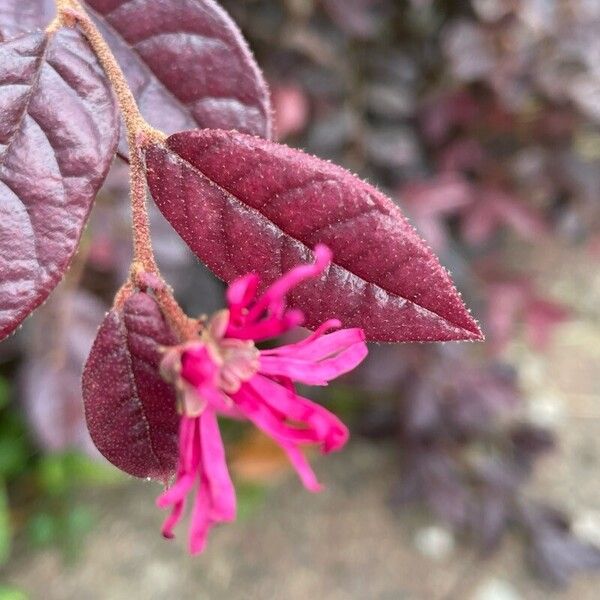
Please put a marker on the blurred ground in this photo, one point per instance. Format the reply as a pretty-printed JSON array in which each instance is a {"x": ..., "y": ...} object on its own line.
[
  {"x": 347, "y": 543},
  {"x": 342, "y": 544}
]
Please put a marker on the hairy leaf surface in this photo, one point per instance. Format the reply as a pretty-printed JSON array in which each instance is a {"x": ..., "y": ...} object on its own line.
[
  {"x": 187, "y": 64},
  {"x": 58, "y": 135},
  {"x": 246, "y": 204},
  {"x": 130, "y": 410},
  {"x": 60, "y": 336},
  {"x": 185, "y": 60}
]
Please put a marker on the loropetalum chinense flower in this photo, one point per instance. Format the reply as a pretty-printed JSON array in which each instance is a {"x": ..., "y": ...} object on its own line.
[{"x": 224, "y": 373}]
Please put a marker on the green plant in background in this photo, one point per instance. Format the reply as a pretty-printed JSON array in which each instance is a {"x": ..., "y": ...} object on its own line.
[
  {"x": 60, "y": 518},
  {"x": 251, "y": 496},
  {"x": 12, "y": 461},
  {"x": 5, "y": 528},
  {"x": 38, "y": 492},
  {"x": 12, "y": 593}
]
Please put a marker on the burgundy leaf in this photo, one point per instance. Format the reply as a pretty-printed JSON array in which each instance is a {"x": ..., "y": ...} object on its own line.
[
  {"x": 529, "y": 442},
  {"x": 130, "y": 410},
  {"x": 490, "y": 519},
  {"x": 441, "y": 485},
  {"x": 59, "y": 339},
  {"x": 541, "y": 318},
  {"x": 246, "y": 204},
  {"x": 514, "y": 299},
  {"x": 356, "y": 17},
  {"x": 427, "y": 201},
  {"x": 496, "y": 208},
  {"x": 187, "y": 64},
  {"x": 555, "y": 551},
  {"x": 58, "y": 135},
  {"x": 506, "y": 298},
  {"x": 185, "y": 60},
  {"x": 444, "y": 195},
  {"x": 462, "y": 155},
  {"x": 441, "y": 116}
]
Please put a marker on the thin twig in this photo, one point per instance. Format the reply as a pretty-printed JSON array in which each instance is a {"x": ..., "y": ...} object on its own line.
[{"x": 139, "y": 133}]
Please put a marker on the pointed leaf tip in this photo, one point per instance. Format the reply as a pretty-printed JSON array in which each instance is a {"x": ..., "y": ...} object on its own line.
[{"x": 245, "y": 204}]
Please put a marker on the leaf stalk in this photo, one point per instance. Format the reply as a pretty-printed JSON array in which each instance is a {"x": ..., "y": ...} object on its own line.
[{"x": 139, "y": 133}]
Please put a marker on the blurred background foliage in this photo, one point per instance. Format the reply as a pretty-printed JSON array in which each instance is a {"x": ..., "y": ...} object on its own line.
[{"x": 481, "y": 119}]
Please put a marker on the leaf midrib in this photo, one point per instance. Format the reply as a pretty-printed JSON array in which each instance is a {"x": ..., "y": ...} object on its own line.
[{"x": 435, "y": 315}]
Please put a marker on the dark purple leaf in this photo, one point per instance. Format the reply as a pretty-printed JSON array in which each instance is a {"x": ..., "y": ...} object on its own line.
[
  {"x": 465, "y": 155},
  {"x": 423, "y": 412},
  {"x": 497, "y": 475},
  {"x": 357, "y": 17},
  {"x": 555, "y": 551},
  {"x": 490, "y": 519},
  {"x": 427, "y": 201},
  {"x": 477, "y": 395},
  {"x": 442, "y": 485},
  {"x": 330, "y": 134},
  {"x": 558, "y": 555},
  {"x": 445, "y": 195},
  {"x": 386, "y": 368},
  {"x": 130, "y": 410},
  {"x": 59, "y": 339},
  {"x": 506, "y": 298},
  {"x": 495, "y": 208},
  {"x": 529, "y": 443},
  {"x": 441, "y": 116},
  {"x": 186, "y": 63},
  {"x": 541, "y": 318},
  {"x": 58, "y": 135},
  {"x": 246, "y": 204},
  {"x": 185, "y": 60},
  {"x": 450, "y": 398}
]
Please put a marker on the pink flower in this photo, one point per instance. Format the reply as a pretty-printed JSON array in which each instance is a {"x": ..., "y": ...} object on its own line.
[{"x": 223, "y": 373}]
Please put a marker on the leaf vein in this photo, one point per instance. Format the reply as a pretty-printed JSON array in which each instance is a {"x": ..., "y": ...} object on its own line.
[{"x": 240, "y": 202}]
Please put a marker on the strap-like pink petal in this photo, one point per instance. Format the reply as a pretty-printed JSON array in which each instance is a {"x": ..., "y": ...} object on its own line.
[
  {"x": 313, "y": 369},
  {"x": 274, "y": 296},
  {"x": 214, "y": 466}
]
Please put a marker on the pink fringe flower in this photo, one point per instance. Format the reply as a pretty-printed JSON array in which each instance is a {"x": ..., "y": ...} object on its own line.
[{"x": 223, "y": 373}]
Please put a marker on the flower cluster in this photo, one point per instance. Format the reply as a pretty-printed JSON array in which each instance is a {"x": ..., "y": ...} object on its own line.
[{"x": 224, "y": 373}]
